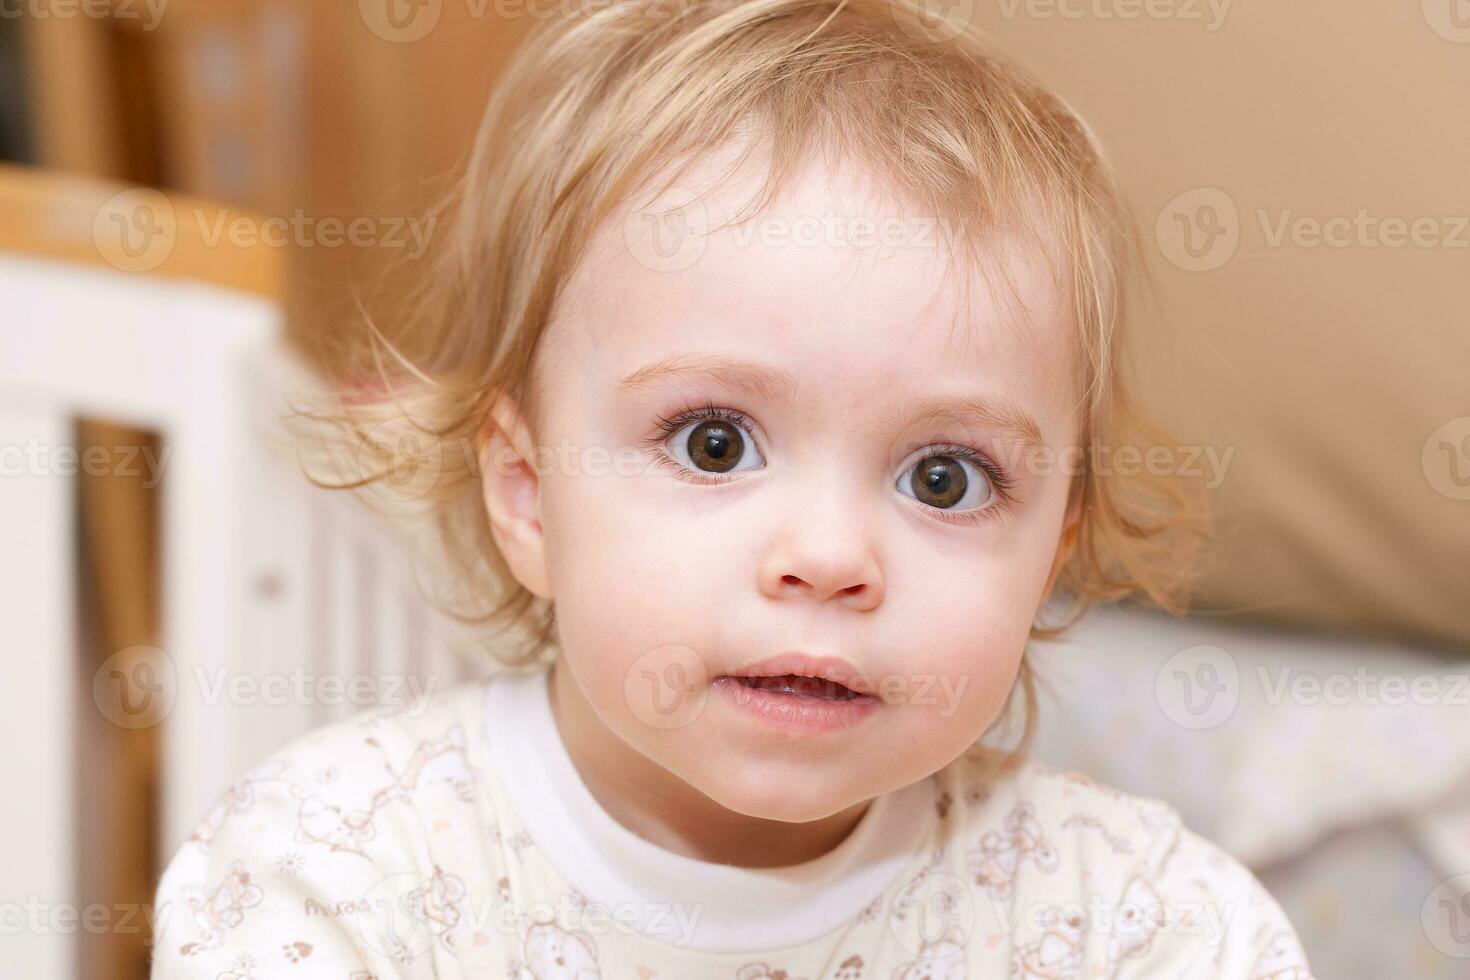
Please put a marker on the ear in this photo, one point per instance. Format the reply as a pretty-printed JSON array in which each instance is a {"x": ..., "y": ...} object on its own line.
[
  {"x": 511, "y": 488},
  {"x": 1067, "y": 543}
]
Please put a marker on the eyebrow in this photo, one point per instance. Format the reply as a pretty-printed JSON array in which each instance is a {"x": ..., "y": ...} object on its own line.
[
  {"x": 778, "y": 385},
  {"x": 767, "y": 383}
]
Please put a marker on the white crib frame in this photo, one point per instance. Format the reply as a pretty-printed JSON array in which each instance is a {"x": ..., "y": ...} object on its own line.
[{"x": 261, "y": 572}]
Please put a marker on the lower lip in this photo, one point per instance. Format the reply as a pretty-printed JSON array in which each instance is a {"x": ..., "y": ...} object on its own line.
[{"x": 795, "y": 714}]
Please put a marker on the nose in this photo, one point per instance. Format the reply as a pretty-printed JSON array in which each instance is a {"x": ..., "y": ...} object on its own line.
[{"x": 824, "y": 554}]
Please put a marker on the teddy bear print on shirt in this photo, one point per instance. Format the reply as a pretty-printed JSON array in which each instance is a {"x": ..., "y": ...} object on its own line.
[
  {"x": 438, "y": 903},
  {"x": 1057, "y": 954},
  {"x": 238, "y": 800},
  {"x": 554, "y": 953},
  {"x": 221, "y": 910},
  {"x": 941, "y": 959},
  {"x": 996, "y": 861},
  {"x": 1141, "y": 916},
  {"x": 347, "y": 828}
]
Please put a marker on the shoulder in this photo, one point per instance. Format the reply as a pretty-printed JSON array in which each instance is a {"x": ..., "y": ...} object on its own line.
[
  {"x": 298, "y": 845},
  {"x": 1081, "y": 871},
  {"x": 1050, "y": 809},
  {"x": 360, "y": 764}
]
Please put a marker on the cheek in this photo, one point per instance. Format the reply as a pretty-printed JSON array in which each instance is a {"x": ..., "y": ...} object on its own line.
[
  {"x": 627, "y": 577},
  {"x": 965, "y": 637}
]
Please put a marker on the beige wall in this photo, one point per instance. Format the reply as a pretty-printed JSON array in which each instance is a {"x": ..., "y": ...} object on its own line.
[{"x": 1326, "y": 369}]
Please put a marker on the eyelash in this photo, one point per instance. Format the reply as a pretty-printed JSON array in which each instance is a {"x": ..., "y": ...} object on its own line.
[{"x": 1000, "y": 481}]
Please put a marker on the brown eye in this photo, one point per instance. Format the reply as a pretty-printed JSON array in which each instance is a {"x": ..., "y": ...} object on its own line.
[
  {"x": 942, "y": 481},
  {"x": 715, "y": 446},
  {"x": 939, "y": 481}
]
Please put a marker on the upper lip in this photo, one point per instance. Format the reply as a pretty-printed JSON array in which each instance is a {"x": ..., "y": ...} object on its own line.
[{"x": 833, "y": 669}]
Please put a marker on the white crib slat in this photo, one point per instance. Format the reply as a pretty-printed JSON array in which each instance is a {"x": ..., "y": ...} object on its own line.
[
  {"x": 341, "y": 566},
  {"x": 37, "y": 713},
  {"x": 389, "y": 637},
  {"x": 279, "y": 652}
]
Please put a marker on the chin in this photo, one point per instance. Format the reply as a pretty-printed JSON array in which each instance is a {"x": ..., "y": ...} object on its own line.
[{"x": 761, "y": 791}]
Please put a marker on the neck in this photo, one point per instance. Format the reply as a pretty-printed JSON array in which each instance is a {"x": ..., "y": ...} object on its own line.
[{"x": 665, "y": 810}]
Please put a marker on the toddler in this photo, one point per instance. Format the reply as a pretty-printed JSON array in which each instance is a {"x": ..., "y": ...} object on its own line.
[{"x": 784, "y": 334}]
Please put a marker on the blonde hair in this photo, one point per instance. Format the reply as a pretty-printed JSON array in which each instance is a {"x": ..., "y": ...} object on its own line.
[{"x": 597, "y": 104}]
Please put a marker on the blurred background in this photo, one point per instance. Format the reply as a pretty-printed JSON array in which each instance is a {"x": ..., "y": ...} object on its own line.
[{"x": 196, "y": 197}]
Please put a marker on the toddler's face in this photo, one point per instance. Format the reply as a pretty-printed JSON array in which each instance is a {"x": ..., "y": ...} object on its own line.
[{"x": 835, "y": 505}]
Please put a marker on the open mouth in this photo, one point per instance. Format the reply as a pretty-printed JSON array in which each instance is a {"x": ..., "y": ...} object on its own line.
[{"x": 818, "y": 688}]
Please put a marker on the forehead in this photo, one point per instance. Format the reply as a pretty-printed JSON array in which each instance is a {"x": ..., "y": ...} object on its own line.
[{"x": 858, "y": 295}]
